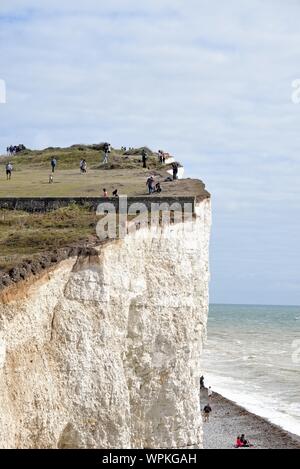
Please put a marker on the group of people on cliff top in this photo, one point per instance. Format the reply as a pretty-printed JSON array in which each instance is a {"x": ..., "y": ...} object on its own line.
[
  {"x": 152, "y": 185},
  {"x": 14, "y": 149}
]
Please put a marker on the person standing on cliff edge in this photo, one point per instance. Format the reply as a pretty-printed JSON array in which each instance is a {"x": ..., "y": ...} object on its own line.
[{"x": 175, "y": 171}]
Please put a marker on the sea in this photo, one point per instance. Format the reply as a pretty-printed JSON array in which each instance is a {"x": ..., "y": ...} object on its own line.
[{"x": 252, "y": 357}]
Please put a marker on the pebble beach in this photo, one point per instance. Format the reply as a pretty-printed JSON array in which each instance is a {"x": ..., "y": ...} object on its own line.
[{"x": 228, "y": 420}]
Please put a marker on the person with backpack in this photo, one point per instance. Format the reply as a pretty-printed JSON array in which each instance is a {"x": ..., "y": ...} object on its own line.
[{"x": 53, "y": 164}]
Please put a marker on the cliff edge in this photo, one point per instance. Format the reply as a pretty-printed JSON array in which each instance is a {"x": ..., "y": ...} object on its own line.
[{"x": 103, "y": 349}]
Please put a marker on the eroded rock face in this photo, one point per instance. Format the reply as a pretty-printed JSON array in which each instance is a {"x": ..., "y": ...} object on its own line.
[{"x": 104, "y": 351}]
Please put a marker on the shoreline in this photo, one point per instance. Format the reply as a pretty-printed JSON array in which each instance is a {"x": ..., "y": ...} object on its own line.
[{"x": 228, "y": 420}]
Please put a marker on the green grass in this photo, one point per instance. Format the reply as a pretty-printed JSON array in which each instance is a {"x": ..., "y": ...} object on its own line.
[
  {"x": 32, "y": 169},
  {"x": 26, "y": 235},
  {"x": 69, "y": 158}
]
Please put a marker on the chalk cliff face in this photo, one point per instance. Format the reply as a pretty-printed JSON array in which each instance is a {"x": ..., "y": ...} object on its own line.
[{"x": 104, "y": 351}]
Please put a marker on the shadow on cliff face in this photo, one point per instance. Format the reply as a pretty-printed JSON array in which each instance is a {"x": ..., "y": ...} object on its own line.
[{"x": 70, "y": 438}]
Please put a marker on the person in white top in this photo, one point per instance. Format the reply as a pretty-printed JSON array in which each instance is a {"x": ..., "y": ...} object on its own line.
[
  {"x": 209, "y": 392},
  {"x": 9, "y": 168}
]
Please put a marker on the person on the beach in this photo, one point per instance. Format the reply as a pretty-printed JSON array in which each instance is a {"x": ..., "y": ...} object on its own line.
[
  {"x": 202, "y": 382},
  {"x": 105, "y": 193},
  {"x": 244, "y": 442},
  {"x": 238, "y": 443},
  {"x": 206, "y": 412},
  {"x": 209, "y": 393}
]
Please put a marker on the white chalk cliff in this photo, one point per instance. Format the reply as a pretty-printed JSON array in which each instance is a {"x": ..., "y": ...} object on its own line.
[{"x": 104, "y": 351}]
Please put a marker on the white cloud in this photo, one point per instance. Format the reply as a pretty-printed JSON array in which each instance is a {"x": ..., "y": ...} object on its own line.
[{"x": 208, "y": 80}]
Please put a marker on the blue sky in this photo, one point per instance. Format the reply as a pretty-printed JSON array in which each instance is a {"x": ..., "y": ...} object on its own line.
[{"x": 209, "y": 81}]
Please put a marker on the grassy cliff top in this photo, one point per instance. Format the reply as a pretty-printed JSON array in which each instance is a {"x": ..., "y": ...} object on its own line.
[
  {"x": 124, "y": 172},
  {"x": 25, "y": 236},
  {"x": 31, "y": 242}
]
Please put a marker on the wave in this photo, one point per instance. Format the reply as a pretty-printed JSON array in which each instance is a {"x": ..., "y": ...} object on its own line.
[{"x": 256, "y": 402}]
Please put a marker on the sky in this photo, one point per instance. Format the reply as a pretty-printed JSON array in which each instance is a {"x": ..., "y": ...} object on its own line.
[{"x": 208, "y": 81}]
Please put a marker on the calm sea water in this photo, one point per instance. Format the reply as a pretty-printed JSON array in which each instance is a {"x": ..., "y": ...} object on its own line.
[{"x": 252, "y": 357}]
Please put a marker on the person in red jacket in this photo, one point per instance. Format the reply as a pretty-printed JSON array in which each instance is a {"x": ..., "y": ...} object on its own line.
[{"x": 238, "y": 443}]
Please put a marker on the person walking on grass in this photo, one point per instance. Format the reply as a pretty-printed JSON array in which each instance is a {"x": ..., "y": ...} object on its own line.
[
  {"x": 144, "y": 158},
  {"x": 53, "y": 164},
  {"x": 9, "y": 168},
  {"x": 83, "y": 167},
  {"x": 206, "y": 413},
  {"x": 150, "y": 184},
  {"x": 107, "y": 150}
]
